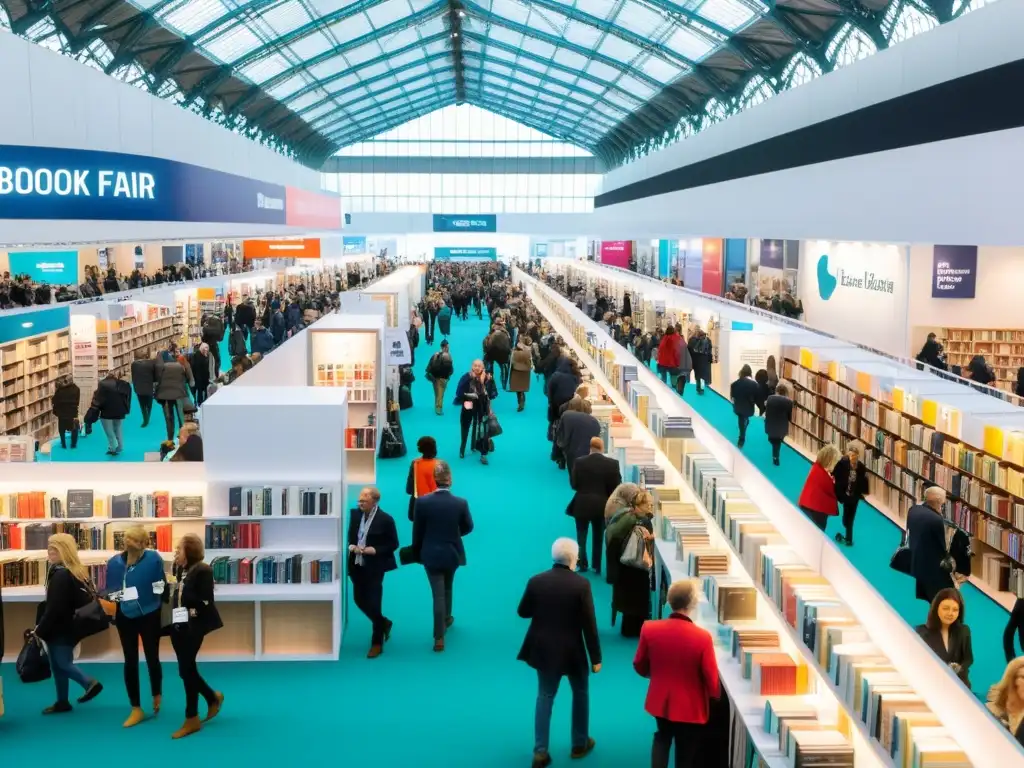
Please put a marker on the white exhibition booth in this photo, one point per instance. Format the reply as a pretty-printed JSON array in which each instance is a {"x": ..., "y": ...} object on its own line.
[{"x": 965, "y": 723}]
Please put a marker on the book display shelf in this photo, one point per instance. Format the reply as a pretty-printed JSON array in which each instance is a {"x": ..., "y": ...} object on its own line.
[
  {"x": 30, "y": 368},
  {"x": 345, "y": 351},
  {"x": 918, "y": 430},
  {"x": 1002, "y": 348},
  {"x": 274, "y": 547},
  {"x": 814, "y": 661}
]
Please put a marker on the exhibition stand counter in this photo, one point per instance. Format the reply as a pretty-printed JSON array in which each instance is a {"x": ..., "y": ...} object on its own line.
[{"x": 720, "y": 484}]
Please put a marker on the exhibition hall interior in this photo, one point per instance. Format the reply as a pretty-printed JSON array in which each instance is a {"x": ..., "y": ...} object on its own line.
[{"x": 672, "y": 348}]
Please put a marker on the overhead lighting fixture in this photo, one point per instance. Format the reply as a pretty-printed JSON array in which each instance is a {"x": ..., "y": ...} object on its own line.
[
  {"x": 27, "y": 325},
  {"x": 455, "y": 34},
  {"x": 462, "y": 14}
]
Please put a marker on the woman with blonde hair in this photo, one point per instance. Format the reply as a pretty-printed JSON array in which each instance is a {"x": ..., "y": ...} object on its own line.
[
  {"x": 818, "y": 497},
  {"x": 68, "y": 588},
  {"x": 631, "y": 584},
  {"x": 851, "y": 477},
  {"x": 136, "y": 577},
  {"x": 1006, "y": 699}
]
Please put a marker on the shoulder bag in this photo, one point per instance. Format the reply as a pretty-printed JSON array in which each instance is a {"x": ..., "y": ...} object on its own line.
[
  {"x": 33, "y": 665},
  {"x": 901, "y": 558},
  {"x": 95, "y": 616},
  {"x": 635, "y": 551}
]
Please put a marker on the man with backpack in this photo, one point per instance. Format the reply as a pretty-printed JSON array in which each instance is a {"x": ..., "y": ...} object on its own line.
[{"x": 439, "y": 369}]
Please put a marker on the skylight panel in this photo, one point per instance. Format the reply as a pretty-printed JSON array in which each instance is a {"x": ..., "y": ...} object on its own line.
[
  {"x": 283, "y": 90},
  {"x": 399, "y": 39},
  {"x": 537, "y": 47},
  {"x": 286, "y": 17},
  {"x": 529, "y": 79},
  {"x": 511, "y": 9},
  {"x": 332, "y": 67},
  {"x": 602, "y": 9},
  {"x": 617, "y": 99},
  {"x": 363, "y": 53},
  {"x": 310, "y": 46},
  {"x": 192, "y": 16},
  {"x": 498, "y": 54},
  {"x": 689, "y": 44},
  {"x": 661, "y": 70},
  {"x": 603, "y": 71},
  {"x": 636, "y": 87},
  {"x": 570, "y": 59},
  {"x": 376, "y": 69},
  {"x": 325, "y": 7},
  {"x": 234, "y": 44},
  {"x": 548, "y": 21},
  {"x": 387, "y": 12},
  {"x": 415, "y": 54},
  {"x": 618, "y": 49},
  {"x": 350, "y": 29},
  {"x": 266, "y": 68},
  {"x": 730, "y": 14},
  {"x": 582, "y": 34},
  {"x": 589, "y": 85},
  {"x": 318, "y": 112},
  {"x": 431, "y": 27},
  {"x": 515, "y": 39},
  {"x": 304, "y": 101},
  {"x": 636, "y": 18}
]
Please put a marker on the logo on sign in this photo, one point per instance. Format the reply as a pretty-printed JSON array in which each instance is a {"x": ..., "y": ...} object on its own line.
[
  {"x": 269, "y": 203},
  {"x": 866, "y": 281}
]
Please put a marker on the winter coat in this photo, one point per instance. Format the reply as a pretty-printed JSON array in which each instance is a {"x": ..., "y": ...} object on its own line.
[
  {"x": 778, "y": 413},
  {"x": 171, "y": 382},
  {"x": 236, "y": 343},
  {"x": 261, "y": 341},
  {"x": 113, "y": 399},
  {"x": 701, "y": 351},
  {"x": 66, "y": 402},
  {"x": 144, "y": 377},
  {"x": 202, "y": 370},
  {"x": 522, "y": 364}
]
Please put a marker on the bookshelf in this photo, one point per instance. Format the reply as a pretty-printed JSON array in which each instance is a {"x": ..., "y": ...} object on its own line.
[
  {"x": 1002, "y": 348},
  {"x": 276, "y": 542},
  {"x": 838, "y": 403},
  {"x": 345, "y": 352},
  {"x": 30, "y": 368},
  {"x": 789, "y": 566}
]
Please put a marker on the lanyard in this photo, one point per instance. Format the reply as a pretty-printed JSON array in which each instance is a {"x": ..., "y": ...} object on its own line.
[{"x": 181, "y": 585}]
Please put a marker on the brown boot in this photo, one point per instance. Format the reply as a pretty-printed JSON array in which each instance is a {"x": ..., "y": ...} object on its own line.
[
  {"x": 190, "y": 726},
  {"x": 212, "y": 710},
  {"x": 135, "y": 717},
  {"x": 375, "y": 651}
]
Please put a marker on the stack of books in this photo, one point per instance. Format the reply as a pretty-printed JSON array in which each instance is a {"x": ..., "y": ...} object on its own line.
[
  {"x": 233, "y": 536},
  {"x": 272, "y": 569}
]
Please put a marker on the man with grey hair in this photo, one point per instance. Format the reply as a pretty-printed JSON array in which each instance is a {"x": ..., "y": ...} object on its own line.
[
  {"x": 440, "y": 520},
  {"x": 372, "y": 541},
  {"x": 561, "y": 637},
  {"x": 926, "y": 539},
  {"x": 679, "y": 659}
]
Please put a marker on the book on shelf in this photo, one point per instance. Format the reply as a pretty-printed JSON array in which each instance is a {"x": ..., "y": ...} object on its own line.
[
  {"x": 272, "y": 569},
  {"x": 224, "y": 535},
  {"x": 280, "y": 501},
  {"x": 187, "y": 506},
  {"x": 361, "y": 437}
]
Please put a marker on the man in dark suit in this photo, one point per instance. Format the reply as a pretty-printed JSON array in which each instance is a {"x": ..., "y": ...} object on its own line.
[
  {"x": 926, "y": 539},
  {"x": 744, "y": 394},
  {"x": 594, "y": 478},
  {"x": 372, "y": 541},
  {"x": 440, "y": 520},
  {"x": 561, "y": 637},
  {"x": 679, "y": 659}
]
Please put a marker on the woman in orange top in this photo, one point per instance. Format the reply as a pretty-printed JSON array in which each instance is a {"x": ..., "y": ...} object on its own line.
[{"x": 421, "y": 472}]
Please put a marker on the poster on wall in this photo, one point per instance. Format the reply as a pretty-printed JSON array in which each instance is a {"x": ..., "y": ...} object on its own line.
[
  {"x": 735, "y": 261},
  {"x": 711, "y": 275},
  {"x": 616, "y": 253},
  {"x": 668, "y": 255},
  {"x": 353, "y": 246},
  {"x": 139, "y": 257},
  {"x": 540, "y": 250},
  {"x": 954, "y": 271},
  {"x": 103, "y": 258},
  {"x": 692, "y": 258},
  {"x": 772, "y": 254},
  {"x": 52, "y": 267}
]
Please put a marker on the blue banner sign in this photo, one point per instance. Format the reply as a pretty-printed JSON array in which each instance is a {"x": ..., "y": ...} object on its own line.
[
  {"x": 47, "y": 183},
  {"x": 954, "y": 271},
  {"x": 668, "y": 253},
  {"x": 19, "y": 325},
  {"x": 53, "y": 267},
  {"x": 457, "y": 254},
  {"x": 351, "y": 246},
  {"x": 477, "y": 223}
]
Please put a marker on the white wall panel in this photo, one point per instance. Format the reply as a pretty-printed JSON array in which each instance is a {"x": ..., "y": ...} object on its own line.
[
  {"x": 982, "y": 39},
  {"x": 17, "y": 91}
]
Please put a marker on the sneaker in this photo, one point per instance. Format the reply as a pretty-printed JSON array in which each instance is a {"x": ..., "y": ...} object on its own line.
[
  {"x": 94, "y": 690},
  {"x": 586, "y": 749}
]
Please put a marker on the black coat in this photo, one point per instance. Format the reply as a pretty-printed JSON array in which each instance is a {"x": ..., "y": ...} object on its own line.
[
  {"x": 440, "y": 520},
  {"x": 64, "y": 595},
  {"x": 382, "y": 536},
  {"x": 959, "y": 652},
  {"x": 631, "y": 587},
  {"x": 245, "y": 314},
  {"x": 114, "y": 398},
  {"x": 778, "y": 413},
  {"x": 144, "y": 377},
  {"x": 841, "y": 473},
  {"x": 575, "y": 429},
  {"x": 926, "y": 539},
  {"x": 744, "y": 394},
  {"x": 66, "y": 402},
  {"x": 594, "y": 478},
  {"x": 196, "y": 595},
  {"x": 563, "y": 628}
]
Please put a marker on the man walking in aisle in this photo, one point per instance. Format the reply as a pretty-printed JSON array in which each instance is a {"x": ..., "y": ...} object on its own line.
[
  {"x": 439, "y": 369},
  {"x": 372, "y": 542},
  {"x": 594, "y": 478},
  {"x": 440, "y": 520},
  {"x": 561, "y": 637}
]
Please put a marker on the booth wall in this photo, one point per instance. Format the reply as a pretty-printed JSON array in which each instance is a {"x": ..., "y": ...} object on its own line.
[{"x": 843, "y": 287}]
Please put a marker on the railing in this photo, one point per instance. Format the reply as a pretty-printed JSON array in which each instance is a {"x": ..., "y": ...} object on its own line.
[{"x": 1001, "y": 394}]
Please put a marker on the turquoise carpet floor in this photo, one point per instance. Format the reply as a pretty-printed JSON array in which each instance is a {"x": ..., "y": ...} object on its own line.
[
  {"x": 876, "y": 538},
  {"x": 470, "y": 707}
]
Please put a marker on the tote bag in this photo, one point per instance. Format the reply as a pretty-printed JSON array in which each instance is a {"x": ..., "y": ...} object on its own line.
[{"x": 635, "y": 552}]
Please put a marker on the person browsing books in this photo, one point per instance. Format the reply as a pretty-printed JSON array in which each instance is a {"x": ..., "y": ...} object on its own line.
[
  {"x": 194, "y": 615},
  {"x": 947, "y": 634},
  {"x": 136, "y": 578},
  {"x": 372, "y": 542}
]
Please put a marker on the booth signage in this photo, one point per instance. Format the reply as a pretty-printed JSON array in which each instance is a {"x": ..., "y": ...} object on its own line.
[
  {"x": 668, "y": 254},
  {"x": 616, "y": 252},
  {"x": 477, "y": 223},
  {"x": 398, "y": 350},
  {"x": 772, "y": 254},
  {"x": 954, "y": 271},
  {"x": 711, "y": 257},
  {"x": 351, "y": 246},
  {"x": 47, "y": 183},
  {"x": 456, "y": 254},
  {"x": 540, "y": 250},
  {"x": 53, "y": 267},
  {"x": 308, "y": 248}
]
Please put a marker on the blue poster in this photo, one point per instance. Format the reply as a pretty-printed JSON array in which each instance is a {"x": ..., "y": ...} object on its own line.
[
  {"x": 53, "y": 267},
  {"x": 772, "y": 255},
  {"x": 351, "y": 246},
  {"x": 692, "y": 265},
  {"x": 668, "y": 254},
  {"x": 735, "y": 260},
  {"x": 47, "y": 183},
  {"x": 540, "y": 250},
  {"x": 477, "y": 223},
  {"x": 457, "y": 254},
  {"x": 954, "y": 271}
]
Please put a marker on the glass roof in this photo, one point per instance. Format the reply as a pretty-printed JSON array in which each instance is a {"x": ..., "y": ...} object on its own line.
[{"x": 353, "y": 69}]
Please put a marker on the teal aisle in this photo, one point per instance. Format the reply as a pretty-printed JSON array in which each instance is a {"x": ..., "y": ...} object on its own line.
[
  {"x": 876, "y": 538},
  {"x": 471, "y": 706}
]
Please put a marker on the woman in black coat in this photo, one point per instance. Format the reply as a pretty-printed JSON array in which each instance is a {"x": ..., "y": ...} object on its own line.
[
  {"x": 67, "y": 400},
  {"x": 947, "y": 634},
  {"x": 194, "y": 616},
  {"x": 778, "y": 413},
  {"x": 631, "y": 587},
  {"x": 744, "y": 394},
  {"x": 851, "y": 477},
  {"x": 701, "y": 352}
]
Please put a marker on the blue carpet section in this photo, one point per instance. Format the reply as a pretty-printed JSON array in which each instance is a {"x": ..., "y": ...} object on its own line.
[
  {"x": 469, "y": 707},
  {"x": 876, "y": 539}
]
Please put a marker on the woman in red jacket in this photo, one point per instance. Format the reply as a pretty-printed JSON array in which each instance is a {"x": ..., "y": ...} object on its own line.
[
  {"x": 818, "y": 498},
  {"x": 668, "y": 353}
]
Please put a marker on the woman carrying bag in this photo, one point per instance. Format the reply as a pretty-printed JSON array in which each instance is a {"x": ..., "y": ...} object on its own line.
[{"x": 629, "y": 569}]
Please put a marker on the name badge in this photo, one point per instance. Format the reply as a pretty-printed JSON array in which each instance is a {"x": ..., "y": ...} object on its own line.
[
  {"x": 179, "y": 616},
  {"x": 130, "y": 593},
  {"x": 158, "y": 587}
]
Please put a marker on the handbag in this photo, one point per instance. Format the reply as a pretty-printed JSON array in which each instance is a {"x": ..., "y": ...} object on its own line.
[
  {"x": 408, "y": 556},
  {"x": 901, "y": 558},
  {"x": 33, "y": 664},
  {"x": 492, "y": 426},
  {"x": 635, "y": 552},
  {"x": 92, "y": 618}
]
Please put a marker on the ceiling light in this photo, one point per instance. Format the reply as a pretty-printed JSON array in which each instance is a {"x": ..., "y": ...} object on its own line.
[
  {"x": 455, "y": 34},
  {"x": 27, "y": 325},
  {"x": 462, "y": 14}
]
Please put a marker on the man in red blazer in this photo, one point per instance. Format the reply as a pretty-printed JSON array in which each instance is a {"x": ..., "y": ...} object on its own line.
[{"x": 679, "y": 658}]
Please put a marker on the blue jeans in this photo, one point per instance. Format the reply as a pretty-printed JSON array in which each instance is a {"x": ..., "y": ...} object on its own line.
[
  {"x": 114, "y": 430},
  {"x": 62, "y": 665},
  {"x": 547, "y": 687}
]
